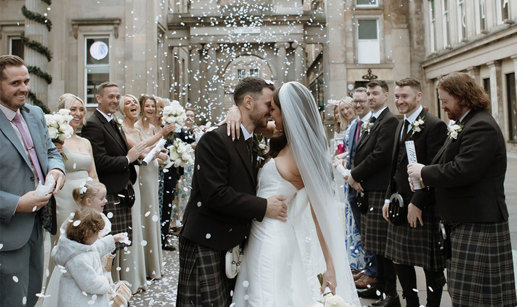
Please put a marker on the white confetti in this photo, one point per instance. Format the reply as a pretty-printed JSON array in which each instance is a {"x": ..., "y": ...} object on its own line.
[
  {"x": 245, "y": 284},
  {"x": 155, "y": 218},
  {"x": 1, "y": 245},
  {"x": 208, "y": 236},
  {"x": 15, "y": 279},
  {"x": 24, "y": 300},
  {"x": 76, "y": 223},
  {"x": 143, "y": 243},
  {"x": 147, "y": 213},
  {"x": 199, "y": 204},
  {"x": 34, "y": 208},
  {"x": 109, "y": 215}
]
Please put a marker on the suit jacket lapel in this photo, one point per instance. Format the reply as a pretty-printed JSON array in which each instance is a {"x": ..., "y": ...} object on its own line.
[
  {"x": 376, "y": 125},
  {"x": 110, "y": 130},
  {"x": 8, "y": 131},
  {"x": 242, "y": 150}
]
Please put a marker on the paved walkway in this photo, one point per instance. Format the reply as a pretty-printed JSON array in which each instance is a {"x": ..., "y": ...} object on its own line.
[{"x": 163, "y": 292}]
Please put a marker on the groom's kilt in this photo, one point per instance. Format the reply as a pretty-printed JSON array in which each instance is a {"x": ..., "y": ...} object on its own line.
[
  {"x": 202, "y": 279},
  {"x": 480, "y": 271},
  {"x": 374, "y": 227},
  {"x": 121, "y": 219},
  {"x": 417, "y": 246}
]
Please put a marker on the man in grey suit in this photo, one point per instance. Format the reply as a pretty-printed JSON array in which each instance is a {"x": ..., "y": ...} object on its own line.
[{"x": 28, "y": 157}]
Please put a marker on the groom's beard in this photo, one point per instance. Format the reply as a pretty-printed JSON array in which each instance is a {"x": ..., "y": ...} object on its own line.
[{"x": 259, "y": 122}]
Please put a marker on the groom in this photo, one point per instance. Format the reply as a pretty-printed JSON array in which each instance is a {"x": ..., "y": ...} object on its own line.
[{"x": 222, "y": 203}]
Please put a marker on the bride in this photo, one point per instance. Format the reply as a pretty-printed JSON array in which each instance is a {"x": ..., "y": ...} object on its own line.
[{"x": 280, "y": 262}]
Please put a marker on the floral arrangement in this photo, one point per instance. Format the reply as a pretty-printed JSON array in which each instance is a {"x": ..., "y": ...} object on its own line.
[
  {"x": 181, "y": 154},
  {"x": 366, "y": 126},
  {"x": 261, "y": 147},
  {"x": 330, "y": 300},
  {"x": 417, "y": 125},
  {"x": 58, "y": 125},
  {"x": 174, "y": 114},
  {"x": 454, "y": 130}
]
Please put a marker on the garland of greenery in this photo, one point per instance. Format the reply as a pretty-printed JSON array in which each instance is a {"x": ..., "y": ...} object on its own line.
[
  {"x": 39, "y": 48},
  {"x": 38, "y": 102},
  {"x": 37, "y": 17}
]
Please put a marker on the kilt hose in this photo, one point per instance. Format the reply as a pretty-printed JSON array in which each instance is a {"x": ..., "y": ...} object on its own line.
[
  {"x": 119, "y": 215},
  {"x": 417, "y": 246},
  {"x": 480, "y": 270},
  {"x": 202, "y": 278},
  {"x": 374, "y": 227}
]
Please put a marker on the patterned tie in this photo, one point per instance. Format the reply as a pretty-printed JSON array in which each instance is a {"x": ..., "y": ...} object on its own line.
[
  {"x": 29, "y": 146},
  {"x": 358, "y": 130}
]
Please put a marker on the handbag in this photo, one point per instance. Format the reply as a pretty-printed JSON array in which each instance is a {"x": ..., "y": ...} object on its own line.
[
  {"x": 362, "y": 202},
  {"x": 397, "y": 211},
  {"x": 121, "y": 294},
  {"x": 232, "y": 261}
]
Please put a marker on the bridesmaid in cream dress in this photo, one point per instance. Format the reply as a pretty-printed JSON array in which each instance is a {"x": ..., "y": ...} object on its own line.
[
  {"x": 149, "y": 176},
  {"x": 79, "y": 164}
]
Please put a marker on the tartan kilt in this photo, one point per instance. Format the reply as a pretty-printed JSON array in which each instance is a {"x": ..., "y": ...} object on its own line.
[
  {"x": 374, "y": 228},
  {"x": 202, "y": 279},
  {"x": 417, "y": 246},
  {"x": 120, "y": 217},
  {"x": 480, "y": 270}
]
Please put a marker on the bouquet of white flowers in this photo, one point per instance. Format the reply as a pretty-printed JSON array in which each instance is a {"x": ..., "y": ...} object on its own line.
[
  {"x": 174, "y": 114},
  {"x": 58, "y": 125},
  {"x": 330, "y": 300},
  {"x": 181, "y": 154}
]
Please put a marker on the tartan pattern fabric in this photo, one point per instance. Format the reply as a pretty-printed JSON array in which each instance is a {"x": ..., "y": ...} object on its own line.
[
  {"x": 417, "y": 246},
  {"x": 120, "y": 217},
  {"x": 480, "y": 271},
  {"x": 374, "y": 227},
  {"x": 202, "y": 279}
]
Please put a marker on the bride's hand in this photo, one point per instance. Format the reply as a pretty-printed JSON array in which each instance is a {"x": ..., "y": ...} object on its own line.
[{"x": 329, "y": 280}]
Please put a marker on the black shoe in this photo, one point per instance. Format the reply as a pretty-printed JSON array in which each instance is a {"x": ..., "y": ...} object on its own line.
[
  {"x": 369, "y": 293},
  {"x": 388, "y": 301}
]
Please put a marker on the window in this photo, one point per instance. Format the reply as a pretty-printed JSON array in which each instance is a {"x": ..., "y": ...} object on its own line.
[
  {"x": 486, "y": 86},
  {"x": 317, "y": 88},
  {"x": 16, "y": 46},
  {"x": 512, "y": 106},
  {"x": 432, "y": 26},
  {"x": 503, "y": 10},
  {"x": 367, "y": 3},
  {"x": 445, "y": 25},
  {"x": 482, "y": 16},
  {"x": 97, "y": 65},
  {"x": 242, "y": 73},
  {"x": 254, "y": 72},
  {"x": 462, "y": 26},
  {"x": 368, "y": 47}
]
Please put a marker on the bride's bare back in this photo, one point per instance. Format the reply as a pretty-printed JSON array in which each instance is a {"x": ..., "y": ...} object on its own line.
[{"x": 286, "y": 166}]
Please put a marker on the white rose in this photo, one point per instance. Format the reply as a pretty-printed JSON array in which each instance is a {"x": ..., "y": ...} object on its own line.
[
  {"x": 417, "y": 129},
  {"x": 52, "y": 132},
  {"x": 51, "y": 121},
  {"x": 454, "y": 134},
  {"x": 335, "y": 301},
  {"x": 317, "y": 304},
  {"x": 63, "y": 112}
]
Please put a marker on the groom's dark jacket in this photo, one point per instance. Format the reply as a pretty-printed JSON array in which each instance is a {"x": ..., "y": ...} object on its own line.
[{"x": 222, "y": 203}]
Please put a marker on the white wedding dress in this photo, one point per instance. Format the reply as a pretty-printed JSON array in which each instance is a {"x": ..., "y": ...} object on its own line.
[{"x": 281, "y": 259}]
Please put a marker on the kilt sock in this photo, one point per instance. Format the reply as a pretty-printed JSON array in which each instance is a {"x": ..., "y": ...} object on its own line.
[{"x": 386, "y": 277}]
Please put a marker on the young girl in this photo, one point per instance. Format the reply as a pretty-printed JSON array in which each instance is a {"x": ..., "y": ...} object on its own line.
[
  {"x": 79, "y": 251},
  {"x": 91, "y": 194}
]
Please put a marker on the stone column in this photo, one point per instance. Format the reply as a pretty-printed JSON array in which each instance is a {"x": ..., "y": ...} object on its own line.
[
  {"x": 473, "y": 71},
  {"x": 212, "y": 79},
  {"x": 195, "y": 74},
  {"x": 496, "y": 100},
  {"x": 300, "y": 68},
  {"x": 37, "y": 32},
  {"x": 282, "y": 61}
]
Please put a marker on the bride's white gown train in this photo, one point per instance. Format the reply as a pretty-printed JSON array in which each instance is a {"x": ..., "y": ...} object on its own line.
[{"x": 281, "y": 259}]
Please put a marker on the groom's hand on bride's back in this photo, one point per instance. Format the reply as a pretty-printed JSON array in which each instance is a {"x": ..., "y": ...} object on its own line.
[{"x": 276, "y": 208}]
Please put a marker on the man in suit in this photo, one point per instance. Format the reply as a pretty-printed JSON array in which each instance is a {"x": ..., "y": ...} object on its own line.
[
  {"x": 223, "y": 202},
  {"x": 369, "y": 175},
  {"x": 113, "y": 158},
  {"x": 28, "y": 157},
  {"x": 467, "y": 175},
  {"x": 415, "y": 240}
]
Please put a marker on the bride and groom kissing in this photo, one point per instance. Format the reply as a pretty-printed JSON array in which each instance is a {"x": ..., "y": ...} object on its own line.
[{"x": 273, "y": 213}]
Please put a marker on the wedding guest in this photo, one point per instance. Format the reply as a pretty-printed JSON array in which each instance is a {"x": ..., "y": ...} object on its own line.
[
  {"x": 114, "y": 159},
  {"x": 467, "y": 175},
  {"x": 79, "y": 164},
  {"x": 414, "y": 238},
  {"x": 79, "y": 252},
  {"x": 149, "y": 193},
  {"x": 369, "y": 175},
  {"x": 28, "y": 157}
]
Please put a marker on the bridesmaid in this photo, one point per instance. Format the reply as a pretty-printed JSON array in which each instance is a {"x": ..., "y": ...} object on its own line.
[
  {"x": 149, "y": 177},
  {"x": 79, "y": 164}
]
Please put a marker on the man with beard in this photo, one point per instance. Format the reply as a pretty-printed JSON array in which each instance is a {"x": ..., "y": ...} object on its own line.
[{"x": 223, "y": 202}]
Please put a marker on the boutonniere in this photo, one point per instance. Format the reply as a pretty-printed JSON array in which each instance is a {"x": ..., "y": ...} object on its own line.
[
  {"x": 417, "y": 125},
  {"x": 261, "y": 147},
  {"x": 118, "y": 121},
  {"x": 366, "y": 126},
  {"x": 454, "y": 130}
]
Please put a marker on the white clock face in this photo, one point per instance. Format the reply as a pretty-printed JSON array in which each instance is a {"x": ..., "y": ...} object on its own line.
[{"x": 99, "y": 50}]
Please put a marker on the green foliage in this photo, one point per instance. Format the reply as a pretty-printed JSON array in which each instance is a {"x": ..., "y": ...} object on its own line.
[
  {"x": 38, "y": 103},
  {"x": 37, "y": 17}
]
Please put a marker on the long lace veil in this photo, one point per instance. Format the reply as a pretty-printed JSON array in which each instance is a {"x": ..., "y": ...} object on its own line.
[{"x": 306, "y": 137}]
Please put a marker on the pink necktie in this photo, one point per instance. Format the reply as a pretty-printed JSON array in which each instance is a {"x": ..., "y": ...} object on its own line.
[
  {"x": 29, "y": 146},
  {"x": 358, "y": 130}
]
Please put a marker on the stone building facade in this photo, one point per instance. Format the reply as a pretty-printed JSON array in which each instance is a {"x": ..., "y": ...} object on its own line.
[
  {"x": 195, "y": 51},
  {"x": 478, "y": 37}
]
